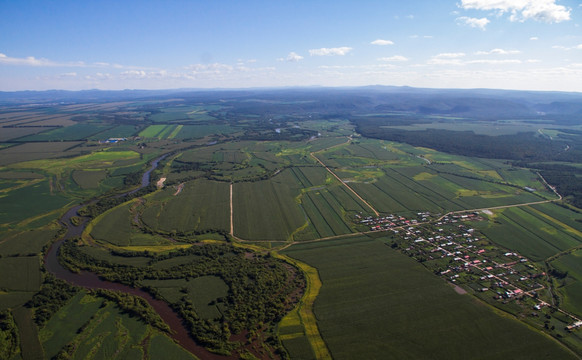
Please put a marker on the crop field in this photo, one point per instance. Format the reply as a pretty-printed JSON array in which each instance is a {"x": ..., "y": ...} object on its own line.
[
  {"x": 200, "y": 131},
  {"x": 28, "y": 242},
  {"x": 571, "y": 287},
  {"x": 103, "y": 332},
  {"x": 121, "y": 131},
  {"x": 185, "y": 114},
  {"x": 162, "y": 347},
  {"x": 267, "y": 210},
  {"x": 531, "y": 232},
  {"x": 114, "y": 226},
  {"x": 74, "y": 132},
  {"x": 30, "y": 201},
  {"x": 89, "y": 179},
  {"x": 394, "y": 306},
  {"x": 17, "y": 132},
  {"x": 24, "y": 273},
  {"x": 200, "y": 205},
  {"x": 157, "y": 131},
  {"x": 491, "y": 128},
  {"x": 37, "y": 151},
  {"x": 62, "y": 329}
]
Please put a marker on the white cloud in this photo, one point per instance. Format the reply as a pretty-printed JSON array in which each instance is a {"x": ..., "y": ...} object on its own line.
[
  {"x": 533, "y": 61},
  {"x": 330, "y": 51},
  {"x": 473, "y": 22},
  {"x": 450, "y": 55},
  {"x": 498, "y": 52},
  {"x": 521, "y": 10},
  {"x": 561, "y": 47},
  {"x": 447, "y": 59},
  {"x": 28, "y": 61},
  {"x": 494, "y": 62},
  {"x": 393, "y": 58},
  {"x": 382, "y": 42},
  {"x": 293, "y": 57},
  {"x": 534, "y": 38}
]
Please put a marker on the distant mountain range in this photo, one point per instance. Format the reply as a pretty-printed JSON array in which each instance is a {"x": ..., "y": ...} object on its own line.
[{"x": 474, "y": 103}]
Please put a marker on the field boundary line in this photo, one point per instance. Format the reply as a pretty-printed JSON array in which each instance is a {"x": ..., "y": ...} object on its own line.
[
  {"x": 338, "y": 178},
  {"x": 305, "y": 307},
  {"x": 231, "y": 213}
]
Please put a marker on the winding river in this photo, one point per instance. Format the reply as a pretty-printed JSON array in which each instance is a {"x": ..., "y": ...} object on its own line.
[{"x": 92, "y": 281}]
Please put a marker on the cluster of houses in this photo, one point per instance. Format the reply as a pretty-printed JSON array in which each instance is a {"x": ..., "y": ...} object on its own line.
[
  {"x": 392, "y": 221},
  {"x": 451, "y": 248}
]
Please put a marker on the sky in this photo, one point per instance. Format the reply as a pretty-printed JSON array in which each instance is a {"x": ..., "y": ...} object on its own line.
[{"x": 113, "y": 45}]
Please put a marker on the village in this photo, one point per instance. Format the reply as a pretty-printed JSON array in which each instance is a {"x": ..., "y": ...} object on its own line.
[{"x": 448, "y": 246}]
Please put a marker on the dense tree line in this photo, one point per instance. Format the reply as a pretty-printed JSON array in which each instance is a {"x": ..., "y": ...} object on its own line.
[
  {"x": 259, "y": 286},
  {"x": 522, "y": 146},
  {"x": 9, "y": 338},
  {"x": 54, "y": 293},
  {"x": 134, "y": 306},
  {"x": 106, "y": 203}
]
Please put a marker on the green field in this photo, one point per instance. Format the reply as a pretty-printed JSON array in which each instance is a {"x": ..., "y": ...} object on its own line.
[
  {"x": 200, "y": 205},
  {"x": 24, "y": 274},
  {"x": 28, "y": 242},
  {"x": 36, "y": 151},
  {"x": 530, "y": 233},
  {"x": 75, "y": 132},
  {"x": 203, "y": 291},
  {"x": 93, "y": 328},
  {"x": 389, "y": 306},
  {"x": 89, "y": 179},
  {"x": 267, "y": 210}
]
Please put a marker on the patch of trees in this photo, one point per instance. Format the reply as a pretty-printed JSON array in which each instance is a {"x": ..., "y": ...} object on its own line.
[
  {"x": 134, "y": 306},
  {"x": 54, "y": 293},
  {"x": 259, "y": 287},
  {"x": 522, "y": 146},
  {"x": 9, "y": 339},
  {"x": 104, "y": 204},
  {"x": 567, "y": 180},
  {"x": 133, "y": 178}
]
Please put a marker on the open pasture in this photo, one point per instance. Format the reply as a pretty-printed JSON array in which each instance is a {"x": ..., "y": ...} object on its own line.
[
  {"x": 375, "y": 302},
  {"x": 201, "y": 205}
]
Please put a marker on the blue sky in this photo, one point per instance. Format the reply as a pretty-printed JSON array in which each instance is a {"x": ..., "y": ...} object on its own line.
[{"x": 505, "y": 44}]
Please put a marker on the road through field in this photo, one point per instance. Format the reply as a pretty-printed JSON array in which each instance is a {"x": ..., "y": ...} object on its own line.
[{"x": 340, "y": 180}]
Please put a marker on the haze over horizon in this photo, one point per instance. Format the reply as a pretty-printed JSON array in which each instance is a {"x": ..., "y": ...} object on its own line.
[{"x": 501, "y": 44}]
